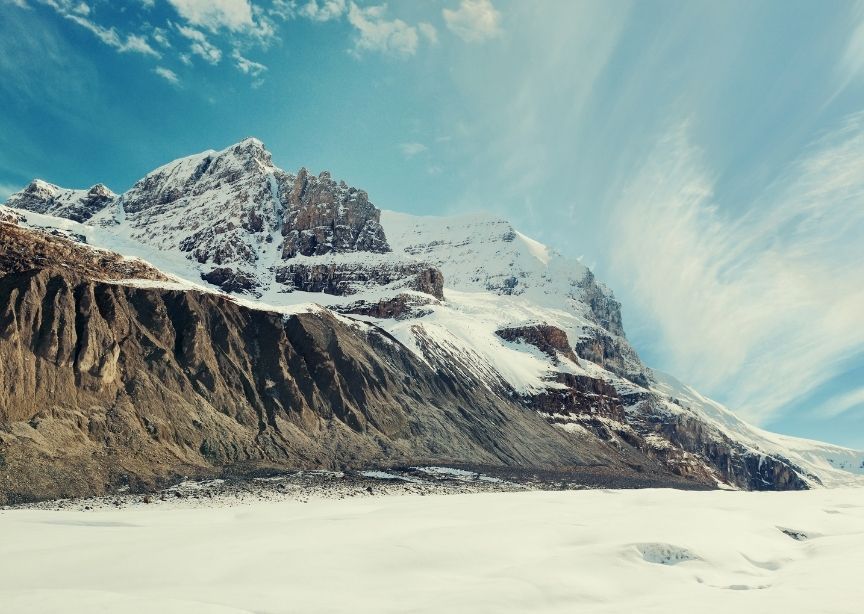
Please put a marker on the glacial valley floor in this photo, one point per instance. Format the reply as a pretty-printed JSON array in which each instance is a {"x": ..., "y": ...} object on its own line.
[{"x": 398, "y": 550}]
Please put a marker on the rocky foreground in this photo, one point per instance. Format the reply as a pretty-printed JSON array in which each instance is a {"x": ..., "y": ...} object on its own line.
[{"x": 304, "y": 486}]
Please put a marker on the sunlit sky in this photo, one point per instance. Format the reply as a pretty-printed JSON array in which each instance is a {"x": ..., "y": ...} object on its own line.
[{"x": 706, "y": 159}]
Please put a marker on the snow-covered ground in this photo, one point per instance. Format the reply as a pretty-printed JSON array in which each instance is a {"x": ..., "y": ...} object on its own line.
[{"x": 573, "y": 551}]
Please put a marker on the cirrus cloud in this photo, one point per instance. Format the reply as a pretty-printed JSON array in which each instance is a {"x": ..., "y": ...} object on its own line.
[{"x": 765, "y": 306}]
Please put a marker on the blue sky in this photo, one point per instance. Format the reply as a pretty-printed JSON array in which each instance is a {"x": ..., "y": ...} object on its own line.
[{"x": 705, "y": 158}]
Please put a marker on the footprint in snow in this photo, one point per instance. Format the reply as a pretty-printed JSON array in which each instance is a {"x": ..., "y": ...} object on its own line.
[{"x": 767, "y": 565}]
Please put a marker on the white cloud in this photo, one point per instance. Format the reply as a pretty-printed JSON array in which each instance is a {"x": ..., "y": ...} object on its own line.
[
  {"x": 761, "y": 308},
  {"x": 841, "y": 403},
  {"x": 428, "y": 31},
  {"x": 409, "y": 150},
  {"x": 216, "y": 14},
  {"x": 78, "y": 13},
  {"x": 247, "y": 66},
  {"x": 376, "y": 33},
  {"x": 200, "y": 46},
  {"x": 139, "y": 44},
  {"x": 167, "y": 74},
  {"x": 283, "y": 9},
  {"x": 133, "y": 42},
  {"x": 322, "y": 10},
  {"x": 161, "y": 37},
  {"x": 474, "y": 20}
]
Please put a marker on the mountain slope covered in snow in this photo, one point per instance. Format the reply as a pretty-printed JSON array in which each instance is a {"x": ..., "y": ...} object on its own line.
[{"x": 470, "y": 297}]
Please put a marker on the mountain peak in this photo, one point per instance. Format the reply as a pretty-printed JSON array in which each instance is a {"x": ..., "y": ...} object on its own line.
[
  {"x": 79, "y": 205},
  {"x": 101, "y": 190},
  {"x": 250, "y": 148},
  {"x": 250, "y": 141}
]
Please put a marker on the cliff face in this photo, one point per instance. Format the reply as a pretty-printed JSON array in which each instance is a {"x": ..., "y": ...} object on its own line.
[
  {"x": 323, "y": 217},
  {"x": 105, "y": 385}
]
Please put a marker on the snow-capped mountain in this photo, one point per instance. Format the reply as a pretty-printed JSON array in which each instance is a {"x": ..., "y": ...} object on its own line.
[
  {"x": 78, "y": 205},
  {"x": 478, "y": 304}
]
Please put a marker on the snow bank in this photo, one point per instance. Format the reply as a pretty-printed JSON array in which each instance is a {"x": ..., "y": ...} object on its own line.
[{"x": 578, "y": 551}]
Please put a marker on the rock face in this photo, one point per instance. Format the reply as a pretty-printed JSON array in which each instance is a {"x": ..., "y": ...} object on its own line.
[
  {"x": 25, "y": 250},
  {"x": 323, "y": 217},
  {"x": 344, "y": 279},
  {"x": 105, "y": 385},
  {"x": 401, "y": 306},
  {"x": 549, "y": 339},
  {"x": 611, "y": 353}
]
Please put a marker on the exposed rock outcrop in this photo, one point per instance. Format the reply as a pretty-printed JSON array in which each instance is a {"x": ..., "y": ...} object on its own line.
[
  {"x": 230, "y": 280},
  {"x": 612, "y": 353},
  {"x": 399, "y": 307},
  {"x": 23, "y": 249},
  {"x": 548, "y": 339},
  {"x": 323, "y": 216},
  {"x": 344, "y": 279},
  {"x": 602, "y": 303}
]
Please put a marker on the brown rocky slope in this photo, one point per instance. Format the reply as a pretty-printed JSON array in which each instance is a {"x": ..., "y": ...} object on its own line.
[{"x": 104, "y": 385}]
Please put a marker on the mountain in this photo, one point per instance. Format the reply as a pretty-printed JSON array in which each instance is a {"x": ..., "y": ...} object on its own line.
[{"x": 225, "y": 315}]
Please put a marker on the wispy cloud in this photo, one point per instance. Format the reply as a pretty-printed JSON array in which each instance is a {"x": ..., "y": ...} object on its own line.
[
  {"x": 247, "y": 66},
  {"x": 200, "y": 45},
  {"x": 840, "y": 404},
  {"x": 409, "y": 150},
  {"x": 160, "y": 35},
  {"x": 167, "y": 74},
  {"x": 474, "y": 21},
  {"x": 851, "y": 64},
  {"x": 129, "y": 43},
  {"x": 765, "y": 306}
]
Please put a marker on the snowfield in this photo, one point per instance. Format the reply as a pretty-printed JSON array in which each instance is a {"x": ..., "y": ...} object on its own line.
[{"x": 567, "y": 551}]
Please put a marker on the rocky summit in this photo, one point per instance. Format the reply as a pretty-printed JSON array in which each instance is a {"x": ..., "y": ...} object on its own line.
[{"x": 223, "y": 316}]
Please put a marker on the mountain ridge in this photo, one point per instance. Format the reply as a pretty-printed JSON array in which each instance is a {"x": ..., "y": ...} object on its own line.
[{"x": 470, "y": 297}]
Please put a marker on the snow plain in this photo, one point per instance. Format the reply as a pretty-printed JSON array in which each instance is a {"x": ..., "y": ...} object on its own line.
[{"x": 567, "y": 551}]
